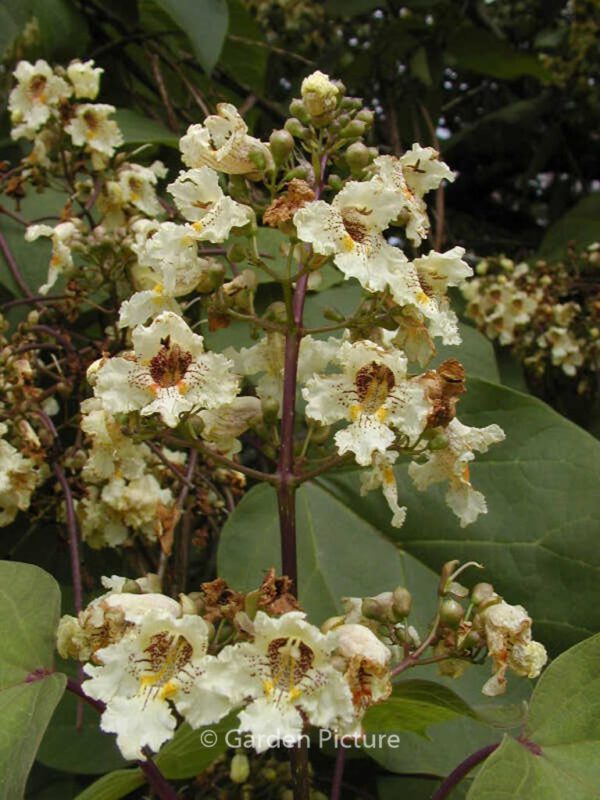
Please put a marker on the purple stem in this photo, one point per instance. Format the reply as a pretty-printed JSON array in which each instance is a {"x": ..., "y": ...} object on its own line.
[
  {"x": 75, "y": 687},
  {"x": 73, "y": 536},
  {"x": 338, "y": 773},
  {"x": 13, "y": 267},
  {"x": 463, "y": 769}
]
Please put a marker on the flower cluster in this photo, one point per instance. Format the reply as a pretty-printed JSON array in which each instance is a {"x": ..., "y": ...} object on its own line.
[
  {"x": 151, "y": 659},
  {"x": 547, "y": 312}
]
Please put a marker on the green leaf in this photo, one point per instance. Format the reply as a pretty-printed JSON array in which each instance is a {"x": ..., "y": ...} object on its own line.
[
  {"x": 331, "y": 539},
  {"x": 63, "y": 29},
  {"x": 29, "y": 609},
  {"x": 400, "y": 787},
  {"x": 414, "y": 705},
  {"x": 563, "y": 726},
  {"x": 113, "y": 786},
  {"x": 479, "y": 50},
  {"x": 245, "y": 53},
  {"x": 205, "y": 22},
  {"x": 13, "y": 18},
  {"x": 581, "y": 224},
  {"x": 137, "y": 129},
  {"x": 351, "y": 8},
  {"x": 32, "y": 257},
  {"x": 539, "y": 539}
]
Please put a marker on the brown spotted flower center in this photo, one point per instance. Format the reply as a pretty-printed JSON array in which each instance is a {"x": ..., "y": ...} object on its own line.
[
  {"x": 289, "y": 661},
  {"x": 169, "y": 365},
  {"x": 37, "y": 86},
  {"x": 165, "y": 657},
  {"x": 354, "y": 223},
  {"x": 91, "y": 119},
  {"x": 374, "y": 382}
]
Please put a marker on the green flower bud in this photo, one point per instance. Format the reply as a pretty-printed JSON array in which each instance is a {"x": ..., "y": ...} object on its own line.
[
  {"x": 366, "y": 115},
  {"x": 482, "y": 592},
  {"x": 282, "y": 144},
  {"x": 298, "y": 109},
  {"x": 335, "y": 182},
  {"x": 321, "y": 434},
  {"x": 301, "y": 172},
  {"x": 276, "y": 312},
  {"x": 251, "y": 603},
  {"x": 239, "y": 771},
  {"x": 257, "y": 157},
  {"x": 236, "y": 253},
  {"x": 333, "y": 314},
  {"x": 402, "y": 601},
  {"x": 351, "y": 103},
  {"x": 357, "y": 156},
  {"x": 439, "y": 442},
  {"x": 451, "y": 613},
  {"x": 447, "y": 570},
  {"x": 295, "y": 128},
  {"x": 353, "y": 130},
  {"x": 188, "y": 606}
]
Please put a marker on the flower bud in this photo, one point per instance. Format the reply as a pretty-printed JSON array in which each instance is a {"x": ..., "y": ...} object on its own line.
[
  {"x": 301, "y": 172},
  {"x": 211, "y": 277},
  {"x": 379, "y": 607},
  {"x": 447, "y": 570},
  {"x": 236, "y": 253},
  {"x": 282, "y": 144},
  {"x": 320, "y": 95},
  {"x": 321, "y": 434},
  {"x": 353, "y": 130},
  {"x": 402, "y": 601},
  {"x": 294, "y": 127},
  {"x": 352, "y": 103},
  {"x": 357, "y": 156},
  {"x": 482, "y": 592},
  {"x": 331, "y": 623},
  {"x": 366, "y": 115},
  {"x": 257, "y": 157},
  {"x": 298, "y": 109},
  {"x": 451, "y": 613},
  {"x": 188, "y": 606},
  {"x": 335, "y": 182},
  {"x": 439, "y": 442},
  {"x": 239, "y": 771},
  {"x": 333, "y": 314},
  {"x": 276, "y": 312}
]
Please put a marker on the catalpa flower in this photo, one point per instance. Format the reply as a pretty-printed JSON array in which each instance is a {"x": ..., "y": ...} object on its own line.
[
  {"x": 63, "y": 237},
  {"x": 286, "y": 677},
  {"x": 168, "y": 373},
  {"x": 351, "y": 230},
  {"x": 373, "y": 394},
  {"x": 138, "y": 186},
  {"x": 19, "y": 477},
  {"x": 423, "y": 283},
  {"x": 112, "y": 453},
  {"x": 223, "y": 143},
  {"x": 412, "y": 175},
  {"x": 222, "y": 426},
  {"x": 507, "y": 632},
  {"x": 35, "y": 97},
  {"x": 153, "y": 667},
  {"x": 85, "y": 78},
  {"x": 452, "y": 464},
  {"x": 201, "y": 200},
  {"x": 266, "y": 359},
  {"x": 381, "y": 476},
  {"x": 92, "y": 128}
]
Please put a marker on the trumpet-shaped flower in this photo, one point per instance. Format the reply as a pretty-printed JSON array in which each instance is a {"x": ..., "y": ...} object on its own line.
[
  {"x": 351, "y": 230},
  {"x": 138, "y": 186},
  {"x": 19, "y": 476},
  {"x": 91, "y": 128},
  {"x": 35, "y": 97},
  {"x": 452, "y": 464},
  {"x": 112, "y": 453},
  {"x": 223, "y": 143},
  {"x": 373, "y": 395},
  {"x": 85, "y": 78},
  {"x": 153, "y": 667},
  {"x": 507, "y": 632},
  {"x": 412, "y": 175},
  {"x": 168, "y": 373},
  {"x": 201, "y": 200},
  {"x": 63, "y": 236},
  {"x": 222, "y": 425},
  {"x": 285, "y": 676}
]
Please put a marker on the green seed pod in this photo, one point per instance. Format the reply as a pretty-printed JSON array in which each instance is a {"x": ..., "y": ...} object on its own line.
[{"x": 282, "y": 144}]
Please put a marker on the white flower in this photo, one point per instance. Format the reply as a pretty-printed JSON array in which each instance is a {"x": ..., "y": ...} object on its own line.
[
  {"x": 137, "y": 185},
  {"x": 63, "y": 236},
  {"x": 319, "y": 94},
  {"x": 201, "y": 200},
  {"x": 19, "y": 477},
  {"x": 417, "y": 172},
  {"x": 85, "y": 79},
  {"x": 153, "y": 666},
  {"x": 138, "y": 503},
  {"x": 422, "y": 284},
  {"x": 266, "y": 359},
  {"x": 113, "y": 454},
  {"x": 222, "y": 425},
  {"x": 286, "y": 676},
  {"x": 168, "y": 373},
  {"x": 564, "y": 348},
  {"x": 35, "y": 97},
  {"x": 373, "y": 394},
  {"x": 92, "y": 128},
  {"x": 222, "y": 143},
  {"x": 381, "y": 475},
  {"x": 507, "y": 631},
  {"x": 452, "y": 464},
  {"x": 351, "y": 230}
]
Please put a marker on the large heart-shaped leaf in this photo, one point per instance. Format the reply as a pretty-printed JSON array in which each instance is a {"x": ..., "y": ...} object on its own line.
[
  {"x": 29, "y": 609},
  {"x": 561, "y": 755},
  {"x": 581, "y": 224},
  {"x": 539, "y": 539},
  {"x": 205, "y": 23}
]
